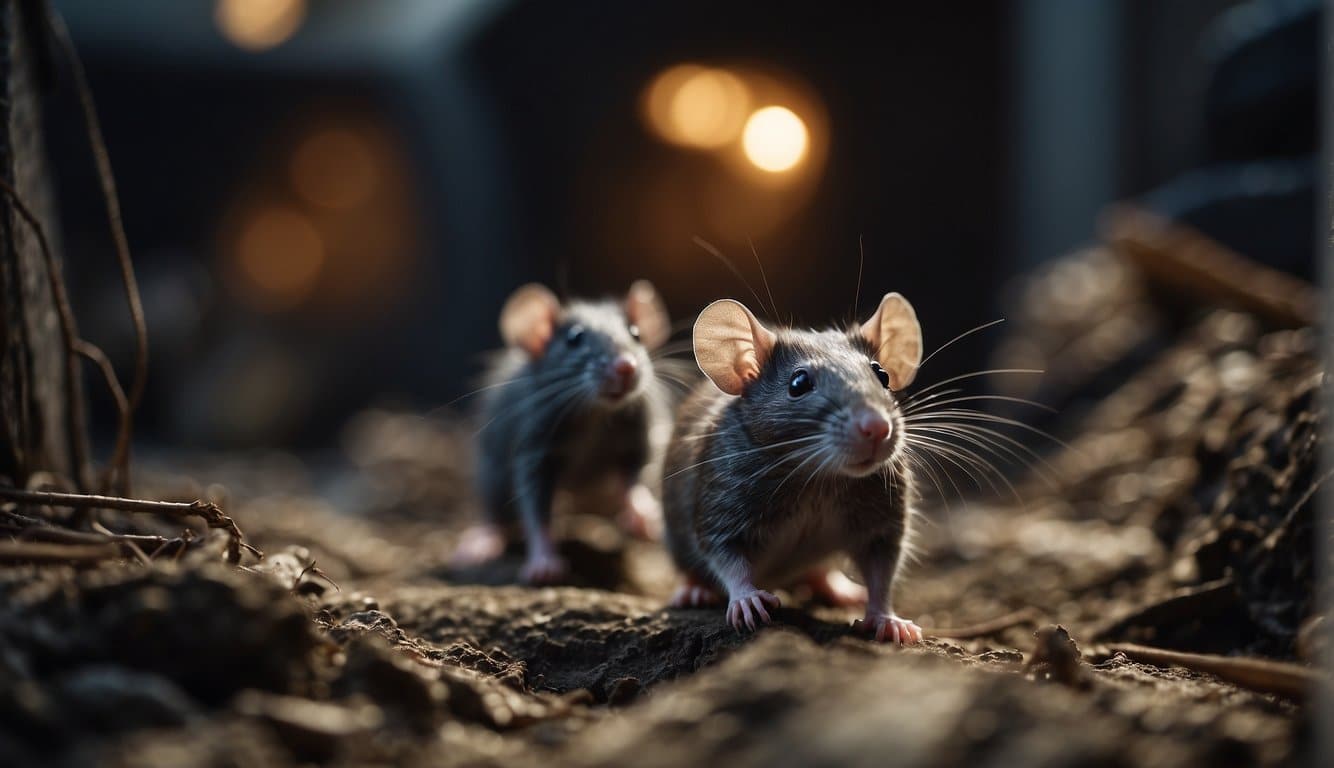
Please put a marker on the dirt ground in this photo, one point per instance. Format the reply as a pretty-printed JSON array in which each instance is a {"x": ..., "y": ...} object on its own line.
[{"x": 1176, "y": 514}]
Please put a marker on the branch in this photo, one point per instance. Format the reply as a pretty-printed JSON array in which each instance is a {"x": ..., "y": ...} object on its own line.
[
  {"x": 205, "y": 510},
  {"x": 1282, "y": 678},
  {"x": 108, "y": 180},
  {"x": 41, "y": 553},
  {"x": 986, "y": 628}
]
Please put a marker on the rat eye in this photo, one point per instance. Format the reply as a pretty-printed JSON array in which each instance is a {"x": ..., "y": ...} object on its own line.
[
  {"x": 880, "y": 373},
  {"x": 800, "y": 383},
  {"x": 575, "y": 336},
  {"x": 634, "y": 332}
]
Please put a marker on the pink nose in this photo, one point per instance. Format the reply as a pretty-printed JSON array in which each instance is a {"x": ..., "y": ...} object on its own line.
[
  {"x": 872, "y": 426},
  {"x": 624, "y": 369}
]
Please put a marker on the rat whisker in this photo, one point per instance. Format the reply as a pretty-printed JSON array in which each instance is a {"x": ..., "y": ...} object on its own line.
[
  {"x": 969, "y": 414},
  {"x": 977, "y": 461},
  {"x": 960, "y": 337},
  {"x": 970, "y": 398},
  {"x": 713, "y": 251},
  {"x": 816, "y": 453},
  {"x": 763, "y": 277},
  {"x": 928, "y": 456},
  {"x": 965, "y": 376},
  {"x": 999, "y": 440},
  {"x": 968, "y": 461},
  {"x": 738, "y": 454}
]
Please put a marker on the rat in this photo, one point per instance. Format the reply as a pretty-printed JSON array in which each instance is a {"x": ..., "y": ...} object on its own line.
[
  {"x": 792, "y": 453},
  {"x": 571, "y": 401}
]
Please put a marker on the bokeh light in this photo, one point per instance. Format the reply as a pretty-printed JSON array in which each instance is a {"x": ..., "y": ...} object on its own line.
[
  {"x": 698, "y": 107},
  {"x": 279, "y": 254},
  {"x": 775, "y": 139},
  {"x": 258, "y": 25},
  {"x": 335, "y": 169}
]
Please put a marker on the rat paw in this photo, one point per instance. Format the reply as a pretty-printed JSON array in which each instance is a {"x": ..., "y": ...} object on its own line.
[
  {"x": 693, "y": 594},
  {"x": 747, "y": 608},
  {"x": 832, "y": 587},
  {"x": 543, "y": 569},
  {"x": 641, "y": 514},
  {"x": 889, "y": 628},
  {"x": 479, "y": 544}
]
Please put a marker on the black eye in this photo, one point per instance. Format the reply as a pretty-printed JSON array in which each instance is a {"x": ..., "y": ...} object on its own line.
[
  {"x": 880, "y": 373},
  {"x": 634, "y": 332},
  {"x": 801, "y": 383},
  {"x": 575, "y": 336}
]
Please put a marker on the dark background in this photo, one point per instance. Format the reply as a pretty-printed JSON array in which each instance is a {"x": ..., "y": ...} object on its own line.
[{"x": 506, "y": 142}]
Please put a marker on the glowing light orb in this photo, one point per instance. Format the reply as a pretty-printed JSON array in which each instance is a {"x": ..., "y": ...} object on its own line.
[{"x": 775, "y": 139}]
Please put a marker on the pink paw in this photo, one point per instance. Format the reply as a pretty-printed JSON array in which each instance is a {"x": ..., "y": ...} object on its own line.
[
  {"x": 832, "y": 587},
  {"x": 477, "y": 545},
  {"x": 543, "y": 569},
  {"x": 890, "y": 628},
  {"x": 641, "y": 514},
  {"x": 748, "y": 607},
  {"x": 693, "y": 594}
]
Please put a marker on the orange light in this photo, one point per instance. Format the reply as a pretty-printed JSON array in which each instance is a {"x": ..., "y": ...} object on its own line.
[
  {"x": 258, "y": 25},
  {"x": 279, "y": 255},
  {"x": 335, "y": 169},
  {"x": 775, "y": 139},
  {"x": 697, "y": 106}
]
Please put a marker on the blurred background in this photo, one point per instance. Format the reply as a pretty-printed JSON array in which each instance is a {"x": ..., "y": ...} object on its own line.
[{"x": 328, "y": 200}]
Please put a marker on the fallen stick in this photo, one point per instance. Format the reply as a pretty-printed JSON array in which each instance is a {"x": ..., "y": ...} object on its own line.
[
  {"x": 42, "y": 553},
  {"x": 1024, "y": 616},
  {"x": 130, "y": 542},
  {"x": 1278, "y": 677},
  {"x": 205, "y": 510}
]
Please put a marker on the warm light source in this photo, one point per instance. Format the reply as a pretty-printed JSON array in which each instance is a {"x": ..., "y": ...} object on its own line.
[
  {"x": 335, "y": 168},
  {"x": 698, "y": 106},
  {"x": 775, "y": 139},
  {"x": 279, "y": 254},
  {"x": 257, "y": 25}
]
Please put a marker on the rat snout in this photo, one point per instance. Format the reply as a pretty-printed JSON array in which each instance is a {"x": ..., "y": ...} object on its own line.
[
  {"x": 620, "y": 377},
  {"x": 871, "y": 427},
  {"x": 868, "y": 436}
]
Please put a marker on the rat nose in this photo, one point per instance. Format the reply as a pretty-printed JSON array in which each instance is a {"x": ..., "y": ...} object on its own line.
[
  {"x": 872, "y": 426},
  {"x": 621, "y": 373},
  {"x": 624, "y": 367}
]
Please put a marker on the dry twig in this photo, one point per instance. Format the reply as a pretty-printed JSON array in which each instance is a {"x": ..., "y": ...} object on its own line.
[
  {"x": 986, "y": 628},
  {"x": 205, "y": 510},
  {"x": 1284, "y": 679},
  {"x": 42, "y": 553},
  {"x": 108, "y": 181}
]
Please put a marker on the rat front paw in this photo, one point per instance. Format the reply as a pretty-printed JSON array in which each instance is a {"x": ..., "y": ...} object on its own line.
[
  {"x": 479, "y": 544},
  {"x": 543, "y": 569},
  {"x": 889, "y": 628},
  {"x": 746, "y": 608},
  {"x": 641, "y": 514}
]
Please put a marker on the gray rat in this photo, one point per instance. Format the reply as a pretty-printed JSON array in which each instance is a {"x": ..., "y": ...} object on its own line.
[
  {"x": 792, "y": 453},
  {"x": 572, "y": 401}
]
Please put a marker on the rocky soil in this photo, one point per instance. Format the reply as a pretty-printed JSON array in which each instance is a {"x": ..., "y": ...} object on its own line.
[{"x": 1177, "y": 513}]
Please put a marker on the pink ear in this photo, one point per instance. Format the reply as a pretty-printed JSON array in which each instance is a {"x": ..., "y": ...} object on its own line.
[
  {"x": 646, "y": 311},
  {"x": 897, "y": 338},
  {"x": 529, "y": 318},
  {"x": 731, "y": 346}
]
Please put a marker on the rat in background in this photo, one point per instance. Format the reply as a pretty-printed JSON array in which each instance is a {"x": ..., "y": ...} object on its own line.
[
  {"x": 572, "y": 401},
  {"x": 793, "y": 453}
]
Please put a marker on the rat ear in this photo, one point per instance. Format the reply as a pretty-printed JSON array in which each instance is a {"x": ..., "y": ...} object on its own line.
[
  {"x": 730, "y": 345},
  {"x": 529, "y": 318},
  {"x": 646, "y": 312},
  {"x": 897, "y": 339}
]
